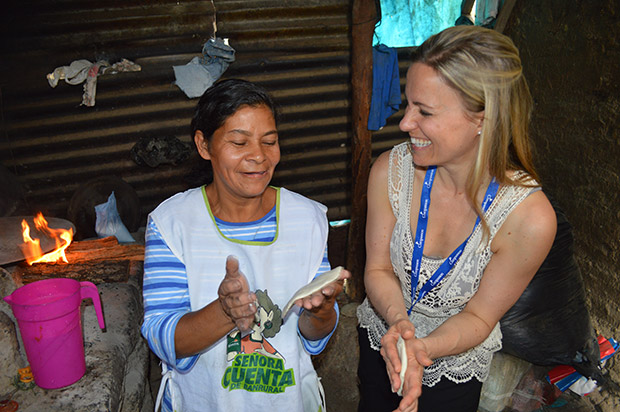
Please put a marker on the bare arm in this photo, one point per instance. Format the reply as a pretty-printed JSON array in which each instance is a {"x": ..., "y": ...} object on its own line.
[
  {"x": 383, "y": 287},
  {"x": 519, "y": 248},
  {"x": 198, "y": 330}
]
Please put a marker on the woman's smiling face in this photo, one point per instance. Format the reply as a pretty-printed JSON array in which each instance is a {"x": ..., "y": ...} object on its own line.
[
  {"x": 440, "y": 129},
  {"x": 243, "y": 152}
]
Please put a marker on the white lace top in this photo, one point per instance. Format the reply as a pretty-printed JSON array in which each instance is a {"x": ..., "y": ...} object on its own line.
[{"x": 451, "y": 295}]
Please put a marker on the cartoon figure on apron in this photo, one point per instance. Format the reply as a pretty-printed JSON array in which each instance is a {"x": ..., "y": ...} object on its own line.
[{"x": 267, "y": 324}]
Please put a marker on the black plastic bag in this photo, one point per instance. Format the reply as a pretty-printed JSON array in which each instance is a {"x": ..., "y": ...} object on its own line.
[{"x": 550, "y": 325}]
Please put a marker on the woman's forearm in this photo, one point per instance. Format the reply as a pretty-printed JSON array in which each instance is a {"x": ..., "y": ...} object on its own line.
[
  {"x": 197, "y": 331},
  {"x": 384, "y": 292},
  {"x": 315, "y": 326},
  {"x": 457, "y": 335}
]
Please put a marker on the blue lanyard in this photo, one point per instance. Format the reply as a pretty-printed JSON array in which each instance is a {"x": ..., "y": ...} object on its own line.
[{"x": 420, "y": 236}]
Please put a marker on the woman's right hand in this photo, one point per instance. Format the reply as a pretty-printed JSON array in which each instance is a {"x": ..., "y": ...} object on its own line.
[{"x": 237, "y": 302}]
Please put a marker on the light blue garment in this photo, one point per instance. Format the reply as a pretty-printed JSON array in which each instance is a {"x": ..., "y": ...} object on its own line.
[
  {"x": 407, "y": 23},
  {"x": 201, "y": 72},
  {"x": 487, "y": 11}
]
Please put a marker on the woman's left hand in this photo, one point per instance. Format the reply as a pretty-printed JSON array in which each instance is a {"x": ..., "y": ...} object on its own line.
[
  {"x": 417, "y": 359},
  {"x": 323, "y": 300},
  {"x": 319, "y": 318}
]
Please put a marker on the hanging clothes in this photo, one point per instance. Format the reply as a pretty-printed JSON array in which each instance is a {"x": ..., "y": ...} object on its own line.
[
  {"x": 385, "y": 86},
  {"x": 407, "y": 23},
  {"x": 487, "y": 11},
  {"x": 83, "y": 71},
  {"x": 202, "y": 71}
]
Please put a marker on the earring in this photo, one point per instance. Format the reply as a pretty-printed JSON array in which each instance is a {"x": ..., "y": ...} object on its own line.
[{"x": 479, "y": 132}]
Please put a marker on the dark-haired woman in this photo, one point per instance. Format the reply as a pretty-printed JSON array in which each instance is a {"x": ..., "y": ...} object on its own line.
[{"x": 223, "y": 259}]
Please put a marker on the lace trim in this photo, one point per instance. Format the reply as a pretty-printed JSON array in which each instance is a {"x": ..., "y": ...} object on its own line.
[{"x": 451, "y": 295}]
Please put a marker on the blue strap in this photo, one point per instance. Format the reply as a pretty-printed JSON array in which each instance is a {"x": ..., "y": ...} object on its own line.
[{"x": 420, "y": 236}]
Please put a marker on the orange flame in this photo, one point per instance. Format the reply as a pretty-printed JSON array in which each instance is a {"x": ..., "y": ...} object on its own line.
[{"x": 32, "y": 247}]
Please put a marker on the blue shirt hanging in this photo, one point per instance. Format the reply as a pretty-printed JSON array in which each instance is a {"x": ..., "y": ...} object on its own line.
[{"x": 385, "y": 86}]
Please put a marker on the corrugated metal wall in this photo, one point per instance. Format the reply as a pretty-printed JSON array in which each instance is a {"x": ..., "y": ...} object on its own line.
[{"x": 298, "y": 49}]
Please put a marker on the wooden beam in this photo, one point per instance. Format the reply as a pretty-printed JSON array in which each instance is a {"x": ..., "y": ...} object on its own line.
[
  {"x": 467, "y": 6},
  {"x": 364, "y": 19},
  {"x": 503, "y": 15},
  {"x": 97, "y": 271}
]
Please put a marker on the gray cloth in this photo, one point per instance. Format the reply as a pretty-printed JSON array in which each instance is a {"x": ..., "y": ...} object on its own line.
[
  {"x": 80, "y": 71},
  {"x": 202, "y": 71}
]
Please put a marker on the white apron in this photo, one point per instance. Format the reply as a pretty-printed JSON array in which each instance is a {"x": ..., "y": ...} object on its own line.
[{"x": 248, "y": 378}]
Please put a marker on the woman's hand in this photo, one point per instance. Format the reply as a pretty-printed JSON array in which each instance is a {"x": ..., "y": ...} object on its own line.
[
  {"x": 417, "y": 359},
  {"x": 323, "y": 300},
  {"x": 237, "y": 302},
  {"x": 319, "y": 318},
  {"x": 234, "y": 307}
]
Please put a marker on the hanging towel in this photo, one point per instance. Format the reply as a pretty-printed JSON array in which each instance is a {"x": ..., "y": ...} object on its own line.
[
  {"x": 385, "y": 86},
  {"x": 487, "y": 11}
]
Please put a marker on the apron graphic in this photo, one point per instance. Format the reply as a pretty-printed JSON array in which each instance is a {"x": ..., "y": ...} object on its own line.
[{"x": 256, "y": 365}]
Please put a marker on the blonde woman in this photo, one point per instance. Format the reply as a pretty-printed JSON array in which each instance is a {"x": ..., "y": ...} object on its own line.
[{"x": 460, "y": 203}]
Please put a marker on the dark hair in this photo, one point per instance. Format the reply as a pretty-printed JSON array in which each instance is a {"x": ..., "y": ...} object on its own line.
[{"x": 223, "y": 99}]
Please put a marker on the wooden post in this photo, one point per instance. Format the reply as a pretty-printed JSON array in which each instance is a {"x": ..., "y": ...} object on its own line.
[
  {"x": 503, "y": 15},
  {"x": 467, "y": 6},
  {"x": 364, "y": 19}
]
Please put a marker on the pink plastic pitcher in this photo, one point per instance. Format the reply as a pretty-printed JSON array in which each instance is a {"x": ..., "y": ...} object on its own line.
[{"x": 49, "y": 319}]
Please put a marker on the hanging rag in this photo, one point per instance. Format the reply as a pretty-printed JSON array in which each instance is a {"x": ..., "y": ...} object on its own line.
[
  {"x": 75, "y": 73},
  {"x": 83, "y": 70},
  {"x": 385, "y": 86},
  {"x": 195, "y": 77}
]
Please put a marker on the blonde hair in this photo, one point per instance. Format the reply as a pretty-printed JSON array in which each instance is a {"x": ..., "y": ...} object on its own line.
[{"x": 484, "y": 67}]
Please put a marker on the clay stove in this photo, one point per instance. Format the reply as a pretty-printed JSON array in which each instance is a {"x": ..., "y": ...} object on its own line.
[{"x": 117, "y": 359}]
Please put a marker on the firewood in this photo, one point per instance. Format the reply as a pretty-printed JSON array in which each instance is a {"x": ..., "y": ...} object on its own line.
[
  {"x": 101, "y": 271},
  {"x": 106, "y": 248},
  {"x": 96, "y": 260}
]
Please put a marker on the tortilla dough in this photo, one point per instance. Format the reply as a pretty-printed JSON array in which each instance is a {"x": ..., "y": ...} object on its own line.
[
  {"x": 316, "y": 285},
  {"x": 402, "y": 354}
]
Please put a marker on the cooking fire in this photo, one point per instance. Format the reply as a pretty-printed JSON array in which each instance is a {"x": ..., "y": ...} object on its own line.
[{"x": 31, "y": 248}]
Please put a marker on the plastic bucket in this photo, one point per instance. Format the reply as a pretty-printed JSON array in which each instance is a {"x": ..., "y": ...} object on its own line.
[{"x": 50, "y": 323}]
